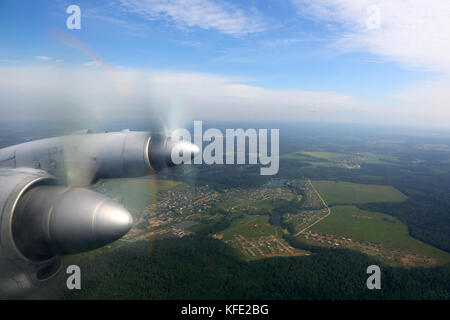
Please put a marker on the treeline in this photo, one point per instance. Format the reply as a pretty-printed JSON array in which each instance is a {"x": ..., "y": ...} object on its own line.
[
  {"x": 282, "y": 206},
  {"x": 206, "y": 229},
  {"x": 426, "y": 221},
  {"x": 220, "y": 177}
]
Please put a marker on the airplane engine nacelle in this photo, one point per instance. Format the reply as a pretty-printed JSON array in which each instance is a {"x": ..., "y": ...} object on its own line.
[
  {"x": 134, "y": 154},
  {"x": 41, "y": 220},
  {"x": 19, "y": 274},
  {"x": 82, "y": 159}
]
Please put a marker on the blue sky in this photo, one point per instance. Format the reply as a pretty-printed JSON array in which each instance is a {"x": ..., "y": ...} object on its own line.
[{"x": 302, "y": 48}]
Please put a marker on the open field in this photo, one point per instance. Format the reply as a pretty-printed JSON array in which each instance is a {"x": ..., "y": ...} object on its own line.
[
  {"x": 347, "y": 193},
  {"x": 368, "y": 226},
  {"x": 255, "y": 238},
  {"x": 371, "y": 158},
  {"x": 314, "y": 163},
  {"x": 323, "y": 154},
  {"x": 367, "y": 157},
  {"x": 437, "y": 147},
  {"x": 251, "y": 226},
  {"x": 335, "y": 159}
]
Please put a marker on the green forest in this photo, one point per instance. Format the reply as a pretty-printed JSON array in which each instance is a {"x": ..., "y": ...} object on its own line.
[{"x": 200, "y": 267}]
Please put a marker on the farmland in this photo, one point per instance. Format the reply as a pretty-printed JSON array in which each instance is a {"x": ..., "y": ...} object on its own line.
[
  {"x": 251, "y": 226},
  {"x": 376, "y": 228},
  {"x": 335, "y": 159},
  {"x": 335, "y": 193},
  {"x": 255, "y": 238}
]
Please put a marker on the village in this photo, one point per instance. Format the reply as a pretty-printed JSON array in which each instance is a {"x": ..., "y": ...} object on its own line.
[
  {"x": 402, "y": 257},
  {"x": 264, "y": 247}
]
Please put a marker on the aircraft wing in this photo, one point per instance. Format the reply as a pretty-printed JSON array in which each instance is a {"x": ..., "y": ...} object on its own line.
[{"x": 44, "y": 211}]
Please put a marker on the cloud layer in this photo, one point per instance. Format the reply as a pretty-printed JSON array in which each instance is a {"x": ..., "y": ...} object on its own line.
[
  {"x": 415, "y": 33},
  {"x": 44, "y": 91},
  {"x": 204, "y": 14},
  {"x": 89, "y": 91}
]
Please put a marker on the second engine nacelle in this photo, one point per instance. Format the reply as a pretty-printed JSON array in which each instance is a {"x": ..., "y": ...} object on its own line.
[{"x": 41, "y": 220}]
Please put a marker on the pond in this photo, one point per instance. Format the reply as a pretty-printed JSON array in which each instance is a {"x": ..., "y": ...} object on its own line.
[{"x": 275, "y": 183}]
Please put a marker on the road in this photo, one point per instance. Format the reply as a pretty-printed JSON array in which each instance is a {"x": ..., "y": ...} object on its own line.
[{"x": 324, "y": 203}]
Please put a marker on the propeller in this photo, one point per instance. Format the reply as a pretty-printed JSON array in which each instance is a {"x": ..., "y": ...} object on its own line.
[{"x": 161, "y": 112}]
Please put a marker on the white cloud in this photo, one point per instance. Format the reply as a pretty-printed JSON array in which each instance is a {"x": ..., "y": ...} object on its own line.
[
  {"x": 93, "y": 63},
  {"x": 43, "y": 58},
  {"x": 428, "y": 102},
  {"x": 96, "y": 92},
  {"x": 415, "y": 33},
  {"x": 205, "y": 14},
  {"x": 285, "y": 42},
  {"x": 9, "y": 61},
  {"x": 75, "y": 92}
]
